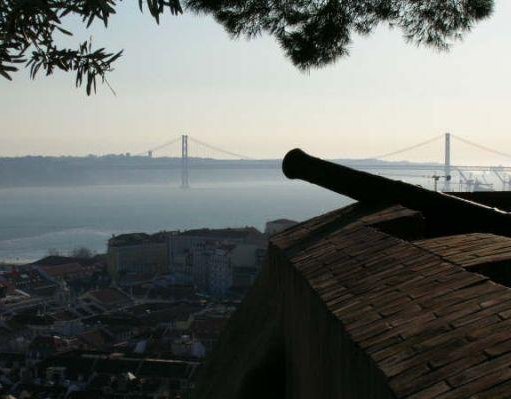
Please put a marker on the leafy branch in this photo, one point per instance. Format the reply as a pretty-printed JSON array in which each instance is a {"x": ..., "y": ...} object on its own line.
[{"x": 28, "y": 29}]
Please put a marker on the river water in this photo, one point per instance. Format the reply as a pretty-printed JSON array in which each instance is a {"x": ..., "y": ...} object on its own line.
[{"x": 34, "y": 220}]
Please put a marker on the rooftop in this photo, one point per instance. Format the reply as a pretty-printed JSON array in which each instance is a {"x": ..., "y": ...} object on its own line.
[
  {"x": 238, "y": 233},
  {"x": 63, "y": 270},
  {"x": 109, "y": 296},
  {"x": 137, "y": 239},
  {"x": 432, "y": 327},
  {"x": 470, "y": 250},
  {"x": 87, "y": 362},
  {"x": 283, "y": 221},
  {"x": 60, "y": 260},
  {"x": 372, "y": 294}
]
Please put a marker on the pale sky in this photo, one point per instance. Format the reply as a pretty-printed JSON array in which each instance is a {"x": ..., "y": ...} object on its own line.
[{"x": 188, "y": 76}]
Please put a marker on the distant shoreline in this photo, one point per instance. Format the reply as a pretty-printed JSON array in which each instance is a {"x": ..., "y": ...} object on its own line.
[{"x": 66, "y": 171}]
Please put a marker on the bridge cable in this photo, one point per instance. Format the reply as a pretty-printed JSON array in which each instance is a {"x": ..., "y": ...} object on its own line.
[
  {"x": 412, "y": 147},
  {"x": 211, "y": 147},
  {"x": 159, "y": 147},
  {"x": 165, "y": 144},
  {"x": 482, "y": 147}
]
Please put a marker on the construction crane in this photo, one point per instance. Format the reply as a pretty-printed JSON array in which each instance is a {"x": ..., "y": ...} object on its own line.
[
  {"x": 473, "y": 183},
  {"x": 504, "y": 177},
  {"x": 435, "y": 177},
  {"x": 469, "y": 182},
  {"x": 486, "y": 185}
]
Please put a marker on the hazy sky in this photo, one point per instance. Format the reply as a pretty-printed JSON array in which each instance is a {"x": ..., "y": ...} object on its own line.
[{"x": 188, "y": 76}]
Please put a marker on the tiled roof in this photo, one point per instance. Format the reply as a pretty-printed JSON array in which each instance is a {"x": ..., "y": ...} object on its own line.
[
  {"x": 63, "y": 315},
  {"x": 238, "y": 233},
  {"x": 181, "y": 312},
  {"x": 431, "y": 327},
  {"x": 54, "y": 260},
  {"x": 96, "y": 339},
  {"x": 283, "y": 221},
  {"x": 470, "y": 250},
  {"x": 63, "y": 270},
  {"x": 80, "y": 362},
  {"x": 208, "y": 327},
  {"x": 136, "y": 239},
  {"x": 61, "y": 260},
  {"x": 109, "y": 296}
]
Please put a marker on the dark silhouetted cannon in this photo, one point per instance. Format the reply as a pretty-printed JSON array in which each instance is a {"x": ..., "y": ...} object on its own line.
[{"x": 446, "y": 212}]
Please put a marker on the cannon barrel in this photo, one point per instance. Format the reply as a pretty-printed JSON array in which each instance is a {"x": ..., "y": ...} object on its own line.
[{"x": 451, "y": 214}]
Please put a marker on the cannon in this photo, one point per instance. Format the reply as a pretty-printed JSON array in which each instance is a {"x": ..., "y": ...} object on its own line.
[{"x": 447, "y": 213}]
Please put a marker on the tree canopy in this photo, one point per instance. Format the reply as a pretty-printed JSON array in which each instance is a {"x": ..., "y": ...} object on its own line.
[{"x": 312, "y": 33}]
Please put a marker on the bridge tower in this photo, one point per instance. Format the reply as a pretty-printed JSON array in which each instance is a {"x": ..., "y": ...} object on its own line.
[
  {"x": 184, "y": 161},
  {"x": 447, "y": 164}
]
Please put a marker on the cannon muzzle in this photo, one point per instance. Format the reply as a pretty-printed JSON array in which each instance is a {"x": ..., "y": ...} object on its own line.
[{"x": 453, "y": 214}]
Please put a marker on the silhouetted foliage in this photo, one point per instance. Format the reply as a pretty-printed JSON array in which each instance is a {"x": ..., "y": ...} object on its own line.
[
  {"x": 311, "y": 32},
  {"x": 28, "y": 29},
  {"x": 317, "y": 32}
]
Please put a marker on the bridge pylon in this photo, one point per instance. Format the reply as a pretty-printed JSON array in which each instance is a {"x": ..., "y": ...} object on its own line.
[
  {"x": 184, "y": 162},
  {"x": 447, "y": 163}
]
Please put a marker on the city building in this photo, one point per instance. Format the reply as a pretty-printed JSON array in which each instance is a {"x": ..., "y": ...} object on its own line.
[
  {"x": 29, "y": 279},
  {"x": 186, "y": 346},
  {"x": 137, "y": 253},
  {"x": 246, "y": 261},
  {"x": 219, "y": 267},
  {"x": 218, "y": 259},
  {"x": 101, "y": 374}
]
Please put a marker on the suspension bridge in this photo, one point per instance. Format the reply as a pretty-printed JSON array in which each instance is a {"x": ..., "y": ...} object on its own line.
[{"x": 184, "y": 143}]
